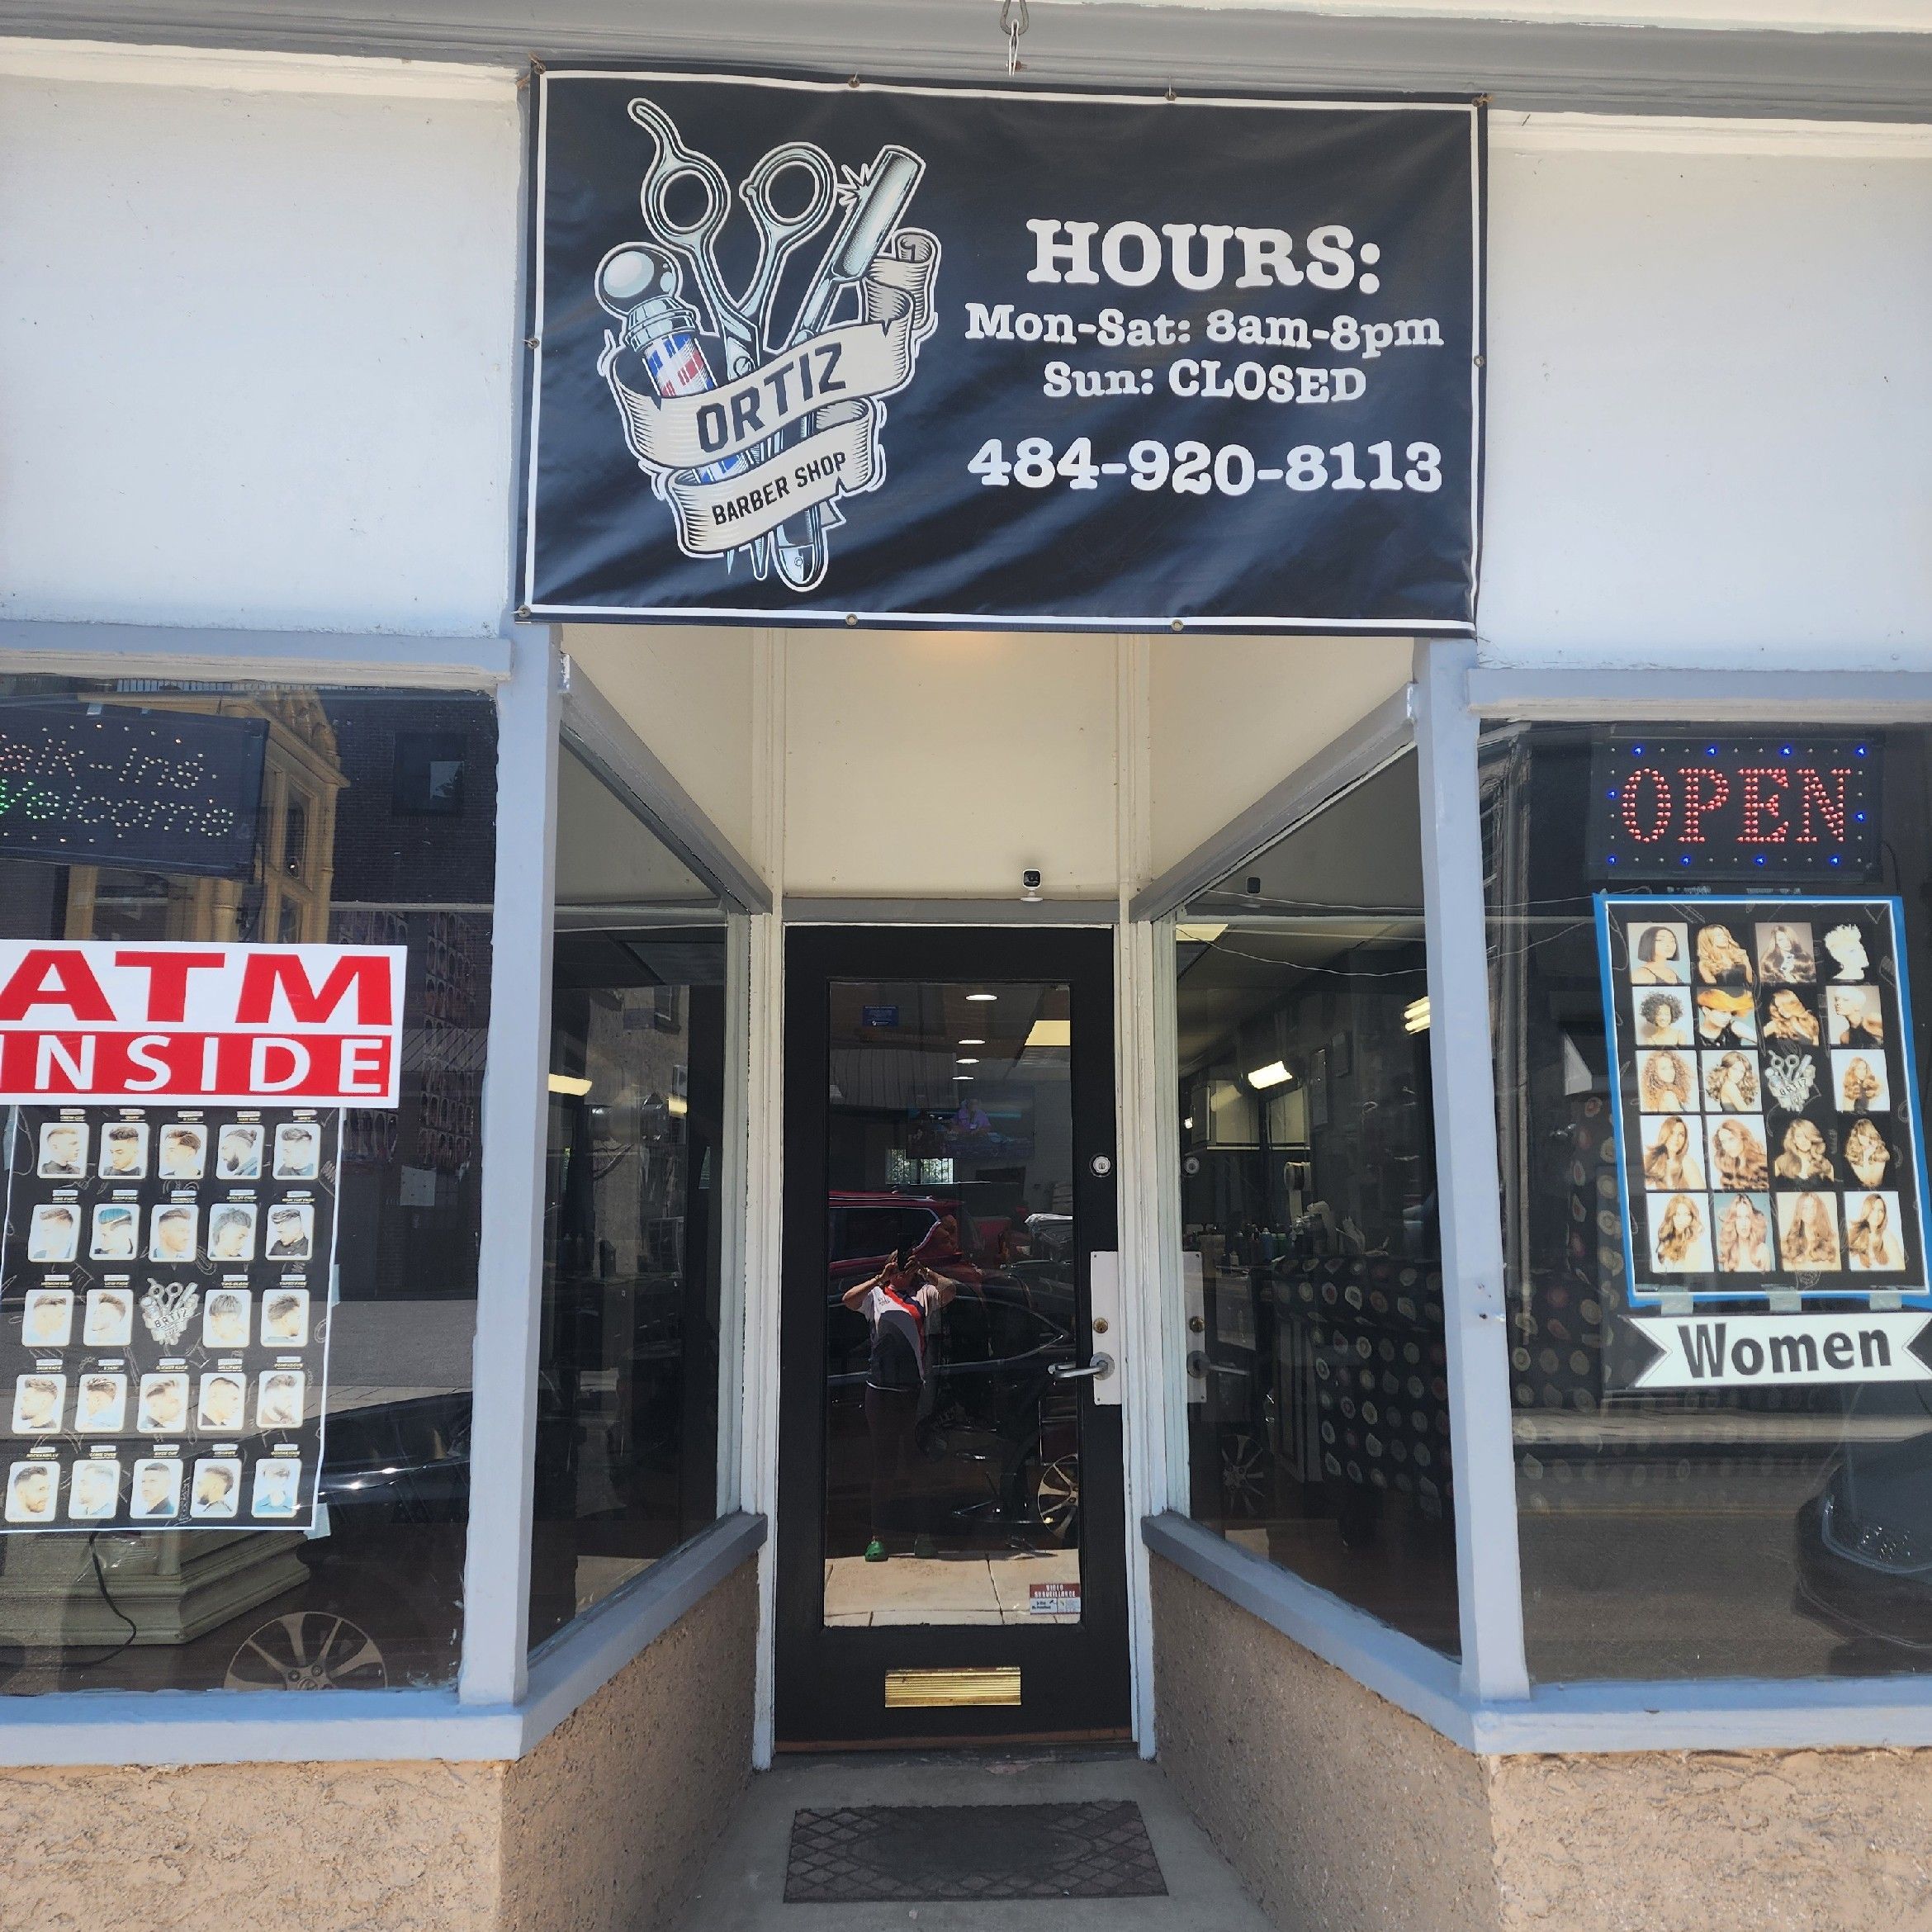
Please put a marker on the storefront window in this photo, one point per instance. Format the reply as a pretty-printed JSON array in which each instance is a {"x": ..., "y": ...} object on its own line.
[
  {"x": 1317, "y": 1397},
  {"x": 237, "y": 1309},
  {"x": 1708, "y": 951},
  {"x": 628, "y": 1381}
]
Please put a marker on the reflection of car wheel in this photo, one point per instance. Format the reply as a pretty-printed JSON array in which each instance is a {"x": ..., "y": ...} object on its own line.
[
  {"x": 308, "y": 1650},
  {"x": 1056, "y": 1498},
  {"x": 1244, "y": 1473}
]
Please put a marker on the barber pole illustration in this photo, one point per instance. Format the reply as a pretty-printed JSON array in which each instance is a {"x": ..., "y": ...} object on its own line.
[{"x": 761, "y": 463}]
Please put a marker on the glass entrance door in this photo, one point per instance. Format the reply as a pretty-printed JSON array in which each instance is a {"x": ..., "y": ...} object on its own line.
[{"x": 951, "y": 1522}]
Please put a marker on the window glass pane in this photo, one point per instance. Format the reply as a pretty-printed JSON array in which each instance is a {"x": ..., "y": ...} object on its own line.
[
  {"x": 248, "y": 1285},
  {"x": 1317, "y": 1397},
  {"x": 628, "y": 1387},
  {"x": 1714, "y": 1204}
]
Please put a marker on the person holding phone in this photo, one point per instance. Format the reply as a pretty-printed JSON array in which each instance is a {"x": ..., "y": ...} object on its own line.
[{"x": 899, "y": 1303}]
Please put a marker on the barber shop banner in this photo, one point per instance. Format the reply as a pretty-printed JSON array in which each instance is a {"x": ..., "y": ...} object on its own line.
[{"x": 813, "y": 351}]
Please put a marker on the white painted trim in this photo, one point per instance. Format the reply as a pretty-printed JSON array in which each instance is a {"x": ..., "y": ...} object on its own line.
[
  {"x": 1137, "y": 1105},
  {"x": 734, "y": 1137},
  {"x": 1685, "y": 134},
  {"x": 496, "y": 1572},
  {"x": 1701, "y": 696},
  {"x": 297, "y": 1727},
  {"x": 392, "y": 660},
  {"x": 1172, "y": 1287},
  {"x": 1468, "y": 1180},
  {"x": 809, "y": 911},
  {"x": 765, "y": 1187},
  {"x": 117, "y": 63}
]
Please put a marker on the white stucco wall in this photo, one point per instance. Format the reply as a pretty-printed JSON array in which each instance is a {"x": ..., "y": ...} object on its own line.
[
  {"x": 259, "y": 339},
  {"x": 1710, "y": 373}
]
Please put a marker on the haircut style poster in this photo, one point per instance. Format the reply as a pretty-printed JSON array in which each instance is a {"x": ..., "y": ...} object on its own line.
[
  {"x": 867, "y": 353},
  {"x": 1770, "y": 1155},
  {"x": 172, "y": 1146}
]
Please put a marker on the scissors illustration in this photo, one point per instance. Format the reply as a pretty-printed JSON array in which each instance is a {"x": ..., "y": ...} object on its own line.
[{"x": 739, "y": 320}]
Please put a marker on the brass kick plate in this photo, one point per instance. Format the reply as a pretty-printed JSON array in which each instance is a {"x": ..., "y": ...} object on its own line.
[{"x": 927, "y": 1690}]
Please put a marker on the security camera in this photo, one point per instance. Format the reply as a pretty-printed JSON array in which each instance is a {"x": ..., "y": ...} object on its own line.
[{"x": 1029, "y": 879}]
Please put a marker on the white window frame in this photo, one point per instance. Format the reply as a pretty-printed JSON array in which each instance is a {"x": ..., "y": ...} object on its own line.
[
  {"x": 504, "y": 1701},
  {"x": 1487, "y": 1703}
]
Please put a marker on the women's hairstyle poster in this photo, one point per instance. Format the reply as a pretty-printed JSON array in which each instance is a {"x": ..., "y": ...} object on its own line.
[
  {"x": 169, "y": 1152},
  {"x": 1765, "y": 1100}
]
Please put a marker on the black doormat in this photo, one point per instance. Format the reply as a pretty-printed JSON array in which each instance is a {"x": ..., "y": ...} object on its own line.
[{"x": 920, "y": 1853}]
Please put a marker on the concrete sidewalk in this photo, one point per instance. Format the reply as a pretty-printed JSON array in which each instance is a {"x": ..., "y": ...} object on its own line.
[{"x": 742, "y": 1887}]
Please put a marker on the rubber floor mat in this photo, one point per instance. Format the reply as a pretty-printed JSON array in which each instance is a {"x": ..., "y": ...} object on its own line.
[{"x": 915, "y": 1853}]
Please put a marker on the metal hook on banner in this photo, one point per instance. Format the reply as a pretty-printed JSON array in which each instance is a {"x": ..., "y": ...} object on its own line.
[{"x": 1014, "y": 21}]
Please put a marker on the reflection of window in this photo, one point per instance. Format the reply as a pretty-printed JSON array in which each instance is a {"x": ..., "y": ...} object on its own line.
[
  {"x": 1317, "y": 1390},
  {"x": 627, "y": 1447},
  {"x": 1720, "y": 1529},
  {"x": 377, "y": 1601}
]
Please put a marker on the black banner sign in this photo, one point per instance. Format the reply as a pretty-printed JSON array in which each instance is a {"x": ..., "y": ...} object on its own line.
[{"x": 894, "y": 355}]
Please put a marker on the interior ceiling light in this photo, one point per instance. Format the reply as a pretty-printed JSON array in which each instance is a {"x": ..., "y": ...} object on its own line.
[
  {"x": 1415, "y": 1015},
  {"x": 962, "y": 1077},
  {"x": 1051, "y": 1033},
  {"x": 968, "y": 1060},
  {"x": 967, "y": 1042},
  {"x": 569, "y": 1083},
  {"x": 976, "y": 997},
  {"x": 1274, "y": 1074},
  {"x": 1200, "y": 935}
]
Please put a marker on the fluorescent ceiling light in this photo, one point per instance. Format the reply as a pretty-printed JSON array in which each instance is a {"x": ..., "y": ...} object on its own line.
[
  {"x": 1200, "y": 935},
  {"x": 569, "y": 1083},
  {"x": 968, "y": 1060},
  {"x": 972, "y": 1042},
  {"x": 1274, "y": 1074},
  {"x": 962, "y": 1077},
  {"x": 1051, "y": 1033},
  {"x": 978, "y": 996},
  {"x": 1415, "y": 1015}
]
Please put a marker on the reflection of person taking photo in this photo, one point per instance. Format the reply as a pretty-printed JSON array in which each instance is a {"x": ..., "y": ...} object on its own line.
[{"x": 899, "y": 1303}]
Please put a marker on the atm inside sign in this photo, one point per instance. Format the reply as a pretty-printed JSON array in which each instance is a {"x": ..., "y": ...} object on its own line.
[{"x": 96, "y": 1020}]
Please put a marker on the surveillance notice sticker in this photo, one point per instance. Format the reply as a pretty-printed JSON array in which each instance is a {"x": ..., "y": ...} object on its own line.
[
  {"x": 171, "y": 1144},
  {"x": 819, "y": 352},
  {"x": 1771, "y": 1165}
]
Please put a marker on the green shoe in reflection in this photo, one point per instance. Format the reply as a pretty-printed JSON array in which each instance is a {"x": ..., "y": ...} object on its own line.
[
  {"x": 924, "y": 1547},
  {"x": 875, "y": 1551}
]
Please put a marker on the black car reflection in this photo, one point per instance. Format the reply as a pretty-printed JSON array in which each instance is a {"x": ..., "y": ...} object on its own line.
[
  {"x": 998, "y": 1437},
  {"x": 1864, "y": 1555}
]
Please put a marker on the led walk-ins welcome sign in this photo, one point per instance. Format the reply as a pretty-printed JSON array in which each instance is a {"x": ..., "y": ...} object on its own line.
[{"x": 917, "y": 354}]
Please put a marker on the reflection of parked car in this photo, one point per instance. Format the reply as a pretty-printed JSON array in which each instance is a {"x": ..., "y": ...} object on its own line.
[
  {"x": 865, "y": 1228},
  {"x": 1864, "y": 1548}
]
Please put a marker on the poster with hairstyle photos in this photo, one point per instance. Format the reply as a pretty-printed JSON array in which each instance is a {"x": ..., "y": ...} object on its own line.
[
  {"x": 165, "y": 1279},
  {"x": 1766, "y": 1100}
]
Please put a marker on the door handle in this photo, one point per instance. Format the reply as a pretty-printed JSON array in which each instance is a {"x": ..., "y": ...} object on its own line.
[
  {"x": 1065, "y": 1371},
  {"x": 1200, "y": 1365}
]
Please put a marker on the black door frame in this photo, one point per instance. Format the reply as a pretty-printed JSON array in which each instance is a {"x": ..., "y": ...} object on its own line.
[{"x": 829, "y": 1686}]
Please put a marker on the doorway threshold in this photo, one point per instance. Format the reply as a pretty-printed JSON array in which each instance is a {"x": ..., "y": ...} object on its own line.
[{"x": 898, "y": 1815}]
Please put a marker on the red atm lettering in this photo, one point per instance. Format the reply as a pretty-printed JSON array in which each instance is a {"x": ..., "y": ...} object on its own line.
[
  {"x": 306, "y": 1006},
  {"x": 46, "y": 977}
]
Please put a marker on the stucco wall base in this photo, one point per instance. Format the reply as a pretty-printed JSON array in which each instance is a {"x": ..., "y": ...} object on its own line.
[
  {"x": 1344, "y": 1814},
  {"x": 599, "y": 1829}
]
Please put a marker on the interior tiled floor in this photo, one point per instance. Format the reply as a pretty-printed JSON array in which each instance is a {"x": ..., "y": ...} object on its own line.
[
  {"x": 973, "y": 1588},
  {"x": 742, "y": 1887}
]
